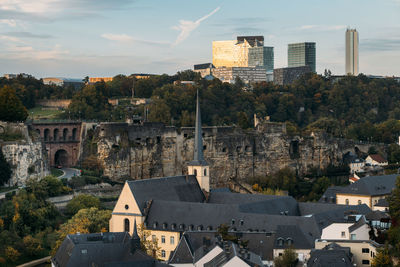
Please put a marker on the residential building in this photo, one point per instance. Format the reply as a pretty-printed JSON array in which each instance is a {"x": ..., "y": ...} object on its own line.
[
  {"x": 357, "y": 165},
  {"x": 285, "y": 76},
  {"x": 363, "y": 251},
  {"x": 347, "y": 230},
  {"x": 302, "y": 54},
  {"x": 102, "y": 249},
  {"x": 381, "y": 205},
  {"x": 367, "y": 190},
  {"x": 100, "y": 79},
  {"x": 376, "y": 160},
  {"x": 76, "y": 83},
  {"x": 13, "y": 76},
  {"x": 246, "y": 74},
  {"x": 245, "y": 51},
  {"x": 204, "y": 69},
  {"x": 352, "y": 51}
]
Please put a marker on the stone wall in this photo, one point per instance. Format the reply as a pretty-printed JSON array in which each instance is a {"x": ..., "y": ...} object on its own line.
[
  {"x": 27, "y": 157},
  {"x": 154, "y": 150}
]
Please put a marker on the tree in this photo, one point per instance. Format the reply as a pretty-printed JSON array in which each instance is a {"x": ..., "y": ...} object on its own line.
[
  {"x": 85, "y": 221},
  {"x": 147, "y": 243},
  {"x": 82, "y": 202},
  {"x": 11, "y": 107},
  {"x": 288, "y": 259},
  {"x": 5, "y": 170},
  {"x": 32, "y": 246},
  {"x": 382, "y": 259}
]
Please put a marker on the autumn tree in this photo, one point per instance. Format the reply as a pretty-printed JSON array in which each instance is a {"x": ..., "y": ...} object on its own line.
[
  {"x": 148, "y": 243},
  {"x": 11, "y": 107}
]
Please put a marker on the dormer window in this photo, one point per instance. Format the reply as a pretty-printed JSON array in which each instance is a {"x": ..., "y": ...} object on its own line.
[
  {"x": 191, "y": 227},
  {"x": 155, "y": 224},
  {"x": 199, "y": 228},
  {"x": 280, "y": 241},
  {"x": 173, "y": 226},
  {"x": 289, "y": 241},
  {"x": 182, "y": 227},
  {"x": 165, "y": 225},
  {"x": 241, "y": 222},
  {"x": 233, "y": 222},
  {"x": 209, "y": 228}
]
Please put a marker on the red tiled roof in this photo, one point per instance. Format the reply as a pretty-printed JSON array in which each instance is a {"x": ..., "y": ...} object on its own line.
[
  {"x": 354, "y": 179},
  {"x": 378, "y": 158}
]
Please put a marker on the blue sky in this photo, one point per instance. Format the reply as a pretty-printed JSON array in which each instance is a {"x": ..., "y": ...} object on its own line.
[{"x": 75, "y": 38}]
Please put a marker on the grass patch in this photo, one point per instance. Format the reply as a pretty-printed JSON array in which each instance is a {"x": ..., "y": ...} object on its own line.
[
  {"x": 11, "y": 135},
  {"x": 39, "y": 113},
  {"x": 56, "y": 172}
]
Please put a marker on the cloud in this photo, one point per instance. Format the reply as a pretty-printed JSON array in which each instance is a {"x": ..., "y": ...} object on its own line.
[
  {"x": 186, "y": 26},
  {"x": 117, "y": 37},
  {"x": 30, "y": 53},
  {"x": 383, "y": 44},
  {"x": 9, "y": 22},
  {"x": 28, "y": 35},
  {"x": 9, "y": 38},
  {"x": 322, "y": 27}
]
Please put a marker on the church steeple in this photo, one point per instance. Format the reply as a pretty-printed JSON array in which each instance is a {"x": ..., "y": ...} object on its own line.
[
  {"x": 199, "y": 166},
  {"x": 198, "y": 141},
  {"x": 135, "y": 240}
]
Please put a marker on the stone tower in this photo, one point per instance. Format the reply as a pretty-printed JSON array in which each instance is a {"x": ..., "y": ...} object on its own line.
[{"x": 199, "y": 167}]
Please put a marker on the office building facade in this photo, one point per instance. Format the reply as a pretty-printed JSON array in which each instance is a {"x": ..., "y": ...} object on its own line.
[
  {"x": 245, "y": 51},
  {"x": 285, "y": 76},
  {"x": 246, "y": 74},
  {"x": 302, "y": 54},
  {"x": 352, "y": 51}
]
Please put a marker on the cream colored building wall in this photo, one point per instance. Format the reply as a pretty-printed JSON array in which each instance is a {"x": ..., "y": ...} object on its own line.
[
  {"x": 334, "y": 231},
  {"x": 202, "y": 178},
  {"x": 361, "y": 233},
  {"x": 236, "y": 262},
  {"x": 209, "y": 256},
  {"x": 229, "y": 54},
  {"x": 355, "y": 248},
  {"x": 120, "y": 212},
  {"x": 353, "y": 199},
  {"x": 168, "y": 246},
  {"x": 302, "y": 254}
]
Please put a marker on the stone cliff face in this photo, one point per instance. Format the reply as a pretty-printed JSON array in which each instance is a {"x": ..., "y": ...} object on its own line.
[
  {"x": 26, "y": 156},
  {"x": 153, "y": 150}
]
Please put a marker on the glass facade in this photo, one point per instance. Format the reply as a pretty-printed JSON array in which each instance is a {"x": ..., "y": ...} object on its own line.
[
  {"x": 261, "y": 56},
  {"x": 302, "y": 54}
]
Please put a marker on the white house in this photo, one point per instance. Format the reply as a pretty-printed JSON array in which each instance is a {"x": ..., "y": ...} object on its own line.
[
  {"x": 347, "y": 231},
  {"x": 376, "y": 160}
]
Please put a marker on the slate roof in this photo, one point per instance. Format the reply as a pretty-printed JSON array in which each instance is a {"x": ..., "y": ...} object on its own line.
[
  {"x": 371, "y": 186},
  {"x": 292, "y": 233},
  {"x": 377, "y": 215},
  {"x": 330, "y": 194},
  {"x": 175, "y": 188},
  {"x": 382, "y": 203},
  {"x": 357, "y": 225},
  {"x": 332, "y": 255},
  {"x": 100, "y": 249},
  {"x": 189, "y": 216}
]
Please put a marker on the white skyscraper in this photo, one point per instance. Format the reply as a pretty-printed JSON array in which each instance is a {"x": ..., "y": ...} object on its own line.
[{"x": 352, "y": 51}]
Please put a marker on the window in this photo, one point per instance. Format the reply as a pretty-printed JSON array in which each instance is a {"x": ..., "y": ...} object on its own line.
[
  {"x": 126, "y": 207},
  {"x": 84, "y": 251},
  {"x": 241, "y": 222},
  {"x": 126, "y": 225},
  {"x": 353, "y": 236},
  {"x": 289, "y": 241},
  {"x": 163, "y": 239},
  {"x": 280, "y": 242},
  {"x": 195, "y": 172},
  {"x": 359, "y": 202},
  {"x": 365, "y": 250},
  {"x": 163, "y": 253},
  {"x": 153, "y": 238},
  {"x": 366, "y": 262},
  {"x": 172, "y": 240},
  {"x": 205, "y": 172},
  {"x": 343, "y": 234},
  {"x": 347, "y": 202},
  {"x": 280, "y": 254},
  {"x": 233, "y": 222}
]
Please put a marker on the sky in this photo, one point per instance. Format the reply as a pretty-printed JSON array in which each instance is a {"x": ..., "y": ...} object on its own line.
[{"x": 78, "y": 38}]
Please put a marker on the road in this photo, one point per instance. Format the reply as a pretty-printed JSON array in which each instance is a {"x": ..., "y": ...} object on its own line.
[{"x": 70, "y": 172}]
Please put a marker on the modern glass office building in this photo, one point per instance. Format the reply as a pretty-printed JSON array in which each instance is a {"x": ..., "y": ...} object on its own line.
[
  {"x": 302, "y": 54},
  {"x": 261, "y": 56},
  {"x": 352, "y": 51}
]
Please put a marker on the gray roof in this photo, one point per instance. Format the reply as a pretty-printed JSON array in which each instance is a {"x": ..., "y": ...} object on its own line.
[
  {"x": 100, "y": 249},
  {"x": 372, "y": 186},
  {"x": 332, "y": 255},
  {"x": 175, "y": 188},
  {"x": 182, "y": 216},
  {"x": 297, "y": 238},
  {"x": 357, "y": 225},
  {"x": 330, "y": 194},
  {"x": 377, "y": 215},
  {"x": 382, "y": 203}
]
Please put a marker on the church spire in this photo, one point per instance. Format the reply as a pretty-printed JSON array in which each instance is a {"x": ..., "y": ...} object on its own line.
[{"x": 198, "y": 142}]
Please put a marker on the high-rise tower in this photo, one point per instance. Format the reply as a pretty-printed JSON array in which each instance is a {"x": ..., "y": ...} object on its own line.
[
  {"x": 352, "y": 51},
  {"x": 198, "y": 166},
  {"x": 302, "y": 54}
]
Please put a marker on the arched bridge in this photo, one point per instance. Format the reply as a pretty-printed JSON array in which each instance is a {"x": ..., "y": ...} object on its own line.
[{"x": 62, "y": 140}]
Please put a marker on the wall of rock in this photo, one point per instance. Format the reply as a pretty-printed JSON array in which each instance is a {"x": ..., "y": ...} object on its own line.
[
  {"x": 155, "y": 150},
  {"x": 27, "y": 157}
]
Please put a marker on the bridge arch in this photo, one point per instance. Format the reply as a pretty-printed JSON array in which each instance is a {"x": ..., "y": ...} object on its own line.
[{"x": 61, "y": 158}]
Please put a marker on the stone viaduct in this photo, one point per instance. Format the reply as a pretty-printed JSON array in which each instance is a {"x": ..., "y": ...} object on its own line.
[{"x": 62, "y": 140}]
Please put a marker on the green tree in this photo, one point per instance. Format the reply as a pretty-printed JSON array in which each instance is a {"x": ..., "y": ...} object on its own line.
[
  {"x": 5, "y": 170},
  {"x": 32, "y": 246},
  {"x": 382, "y": 259},
  {"x": 11, "y": 107},
  {"x": 82, "y": 202},
  {"x": 288, "y": 259}
]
